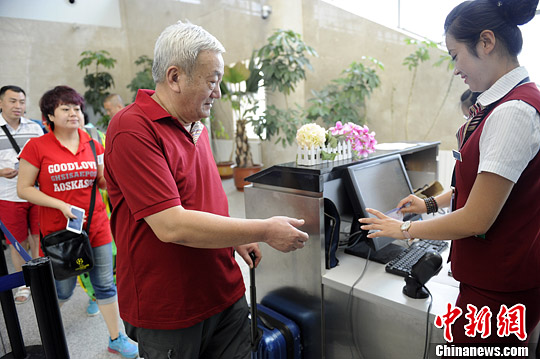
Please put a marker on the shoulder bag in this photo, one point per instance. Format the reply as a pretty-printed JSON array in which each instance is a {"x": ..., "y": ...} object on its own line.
[{"x": 71, "y": 253}]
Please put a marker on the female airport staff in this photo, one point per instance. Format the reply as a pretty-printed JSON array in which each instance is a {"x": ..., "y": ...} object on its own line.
[{"x": 494, "y": 223}]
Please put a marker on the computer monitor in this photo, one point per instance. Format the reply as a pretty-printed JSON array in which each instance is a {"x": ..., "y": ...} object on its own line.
[{"x": 380, "y": 184}]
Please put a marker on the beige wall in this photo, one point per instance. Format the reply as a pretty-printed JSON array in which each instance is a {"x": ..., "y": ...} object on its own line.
[
  {"x": 341, "y": 38},
  {"x": 38, "y": 55}
]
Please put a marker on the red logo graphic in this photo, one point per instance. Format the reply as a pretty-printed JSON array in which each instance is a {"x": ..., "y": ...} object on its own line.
[
  {"x": 447, "y": 320},
  {"x": 509, "y": 321},
  {"x": 479, "y": 321}
]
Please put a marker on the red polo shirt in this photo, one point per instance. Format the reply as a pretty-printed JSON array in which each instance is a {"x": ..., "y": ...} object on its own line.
[{"x": 151, "y": 164}]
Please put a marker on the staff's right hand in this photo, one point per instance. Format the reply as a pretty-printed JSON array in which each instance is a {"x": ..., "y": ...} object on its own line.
[
  {"x": 283, "y": 235},
  {"x": 417, "y": 204}
]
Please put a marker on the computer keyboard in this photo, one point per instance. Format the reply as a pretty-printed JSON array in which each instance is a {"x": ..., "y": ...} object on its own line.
[{"x": 402, "y": 264}]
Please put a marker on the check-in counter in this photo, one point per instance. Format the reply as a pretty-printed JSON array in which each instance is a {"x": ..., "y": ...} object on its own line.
[{"x": 374, "y": 318}]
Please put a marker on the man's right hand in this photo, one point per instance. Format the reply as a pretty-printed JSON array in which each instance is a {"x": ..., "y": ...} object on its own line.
[
  {"x": 8, "y": 172},
  {"x": 283, "y": 235}
]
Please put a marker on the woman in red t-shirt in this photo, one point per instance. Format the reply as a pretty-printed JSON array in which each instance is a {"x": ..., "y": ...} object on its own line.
[{"x": 63, "y": 164}]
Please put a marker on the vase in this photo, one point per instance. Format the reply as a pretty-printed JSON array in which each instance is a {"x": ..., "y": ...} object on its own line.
[
  {"x": 313, "y": 156},
  {"x": 242, "y": 172},
  {"x": 225, "y": 169}
]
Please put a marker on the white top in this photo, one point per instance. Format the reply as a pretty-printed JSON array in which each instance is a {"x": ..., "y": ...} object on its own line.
[
  {"x": 8, "y": 157},
  {"x": 511, "y": 135}
]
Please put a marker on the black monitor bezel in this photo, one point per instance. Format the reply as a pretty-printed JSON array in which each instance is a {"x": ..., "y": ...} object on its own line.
[{"x": 358, "y": 205}]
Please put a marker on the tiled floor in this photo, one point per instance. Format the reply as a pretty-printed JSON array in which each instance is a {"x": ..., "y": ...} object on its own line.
[{"x": 87, "y": 337}]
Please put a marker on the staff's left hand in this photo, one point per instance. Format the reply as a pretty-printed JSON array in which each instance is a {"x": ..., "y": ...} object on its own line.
[{"x": 386, "y": 226}]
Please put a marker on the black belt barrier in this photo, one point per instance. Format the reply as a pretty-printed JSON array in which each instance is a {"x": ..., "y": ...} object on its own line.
[{"x": 37, "y": 273}]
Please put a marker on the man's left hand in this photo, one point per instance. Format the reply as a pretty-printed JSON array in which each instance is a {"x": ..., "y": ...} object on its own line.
[{"x": 244, "y": 250}]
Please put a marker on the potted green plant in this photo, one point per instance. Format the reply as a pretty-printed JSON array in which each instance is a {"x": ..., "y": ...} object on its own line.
[
  {"x": 240, "y": 84},
  {"x": 421, "y": 54},
  {"x": 97, "y": 82},
  {"x": 344, "y": 99},
  {"x": 412, "y": 61},
  {"x": 143, "y": 79},
  {"x": 219, "y": 138},
  {"x": 282, "y": 62},
  {"x": 450, "y": 67}
]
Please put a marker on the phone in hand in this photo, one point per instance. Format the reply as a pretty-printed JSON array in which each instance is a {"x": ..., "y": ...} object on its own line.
[{"x": 76, "y": 224}]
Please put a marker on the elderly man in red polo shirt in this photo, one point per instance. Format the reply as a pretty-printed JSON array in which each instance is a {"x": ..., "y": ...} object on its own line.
[{"x": 180, "y": 290}]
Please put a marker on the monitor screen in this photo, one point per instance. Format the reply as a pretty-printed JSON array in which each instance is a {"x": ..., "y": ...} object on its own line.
[{"x": 378, "y": 184}]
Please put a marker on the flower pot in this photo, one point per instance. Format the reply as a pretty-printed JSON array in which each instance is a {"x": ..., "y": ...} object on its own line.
[
  {"x": 313, "y": 155},
  {"x": 242, "y": 172},
  {"x": 225, "y": 169}
]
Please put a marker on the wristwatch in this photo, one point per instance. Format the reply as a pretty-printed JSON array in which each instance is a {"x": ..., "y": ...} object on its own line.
[{"x": 405, "y": 229}]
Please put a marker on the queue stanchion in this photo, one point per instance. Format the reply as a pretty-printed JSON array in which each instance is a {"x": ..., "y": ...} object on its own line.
[
  {"x": 38, "y": 275},
  {"x": 13, "y": 326}
]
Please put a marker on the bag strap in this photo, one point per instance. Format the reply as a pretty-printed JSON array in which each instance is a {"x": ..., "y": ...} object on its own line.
[
  {"x": 93, "y": 132},
  {"x": 14, "y": 144},
  {"x": 24, "y": 254},
  {"x": 11, "y": 139},
  {"x": 93, "y": 198}
]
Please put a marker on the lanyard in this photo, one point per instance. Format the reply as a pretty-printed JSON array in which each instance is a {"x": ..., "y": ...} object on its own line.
[{"x": 24, "y": 254}]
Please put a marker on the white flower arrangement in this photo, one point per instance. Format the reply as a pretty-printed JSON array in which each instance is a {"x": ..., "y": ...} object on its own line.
[
  {"x": 311, "y": 135},
  {"x": 316, "y": 145}
]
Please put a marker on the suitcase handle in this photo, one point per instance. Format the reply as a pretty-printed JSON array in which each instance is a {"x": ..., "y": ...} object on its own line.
[
  {"x": 256, "y": 335},
  {"x": 267, "y": 320}
]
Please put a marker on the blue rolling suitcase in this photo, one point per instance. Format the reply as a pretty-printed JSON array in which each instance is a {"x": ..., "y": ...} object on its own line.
[
  {"x": 273, "y": 336},
  {"x": 304, "y": 311}
]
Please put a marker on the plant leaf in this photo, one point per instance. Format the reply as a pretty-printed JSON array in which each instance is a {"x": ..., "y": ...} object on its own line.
[{"x": 328, "y": 156}]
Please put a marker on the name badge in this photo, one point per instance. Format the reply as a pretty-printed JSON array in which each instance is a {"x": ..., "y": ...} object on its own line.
[{"x": 457, "y": 155}]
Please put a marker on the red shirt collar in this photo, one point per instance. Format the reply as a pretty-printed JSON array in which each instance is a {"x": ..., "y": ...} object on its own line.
[{"x": 149, "y": 106}]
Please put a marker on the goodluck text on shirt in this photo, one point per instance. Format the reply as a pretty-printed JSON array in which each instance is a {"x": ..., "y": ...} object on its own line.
[
  {"x": 72, "y": 166},
  {"x": 71, "y": 185}
]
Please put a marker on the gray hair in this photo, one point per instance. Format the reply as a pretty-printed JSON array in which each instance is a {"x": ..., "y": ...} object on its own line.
[
  {"x": 115, "y": 99},
  {"x": 179, "y": 45}
]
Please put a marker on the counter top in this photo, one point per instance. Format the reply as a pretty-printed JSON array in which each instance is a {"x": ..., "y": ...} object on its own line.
[
  {"x": 312, "y": 178},
  {"x": 384, "y": 288}
]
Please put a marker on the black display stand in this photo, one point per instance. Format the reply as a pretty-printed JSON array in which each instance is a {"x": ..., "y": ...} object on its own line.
[
  {"x": 383, "y": 255},
  {"x": 13, "y": 327},
  {"x": 32, "y": 352},
  {"x": 39, "y": 276}
]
